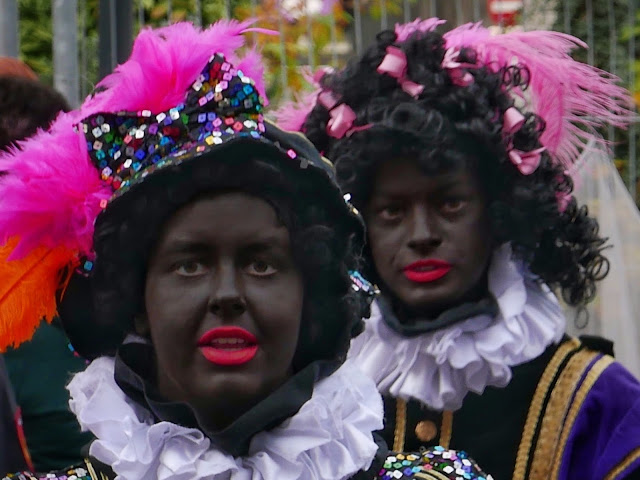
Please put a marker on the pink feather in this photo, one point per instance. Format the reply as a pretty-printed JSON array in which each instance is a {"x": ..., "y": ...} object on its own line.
[
  {"x": 292, "y": 115},
  {"x": 572, "y": 97},
  {"x": 404, "y": 31},
  {"x": 166, "y": 61},
  {"x": 51, "y": 193}
]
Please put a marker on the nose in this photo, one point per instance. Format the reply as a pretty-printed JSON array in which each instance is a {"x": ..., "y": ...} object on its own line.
[
  {"x": 424, "y": 233},
  {"x": 227, "y": 300}
]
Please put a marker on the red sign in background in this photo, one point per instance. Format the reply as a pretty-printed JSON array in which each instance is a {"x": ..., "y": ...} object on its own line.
[{"x": 504, "y": 12}]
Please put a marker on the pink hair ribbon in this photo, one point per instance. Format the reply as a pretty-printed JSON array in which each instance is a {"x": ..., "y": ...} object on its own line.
[
  {"x": 512, "y": 120},
  {"x": 342, "y": 116},
  {"x": 526, "y": 162},
  {"x": 452, "y": 63},
  {"x": 394, "y": 64}
]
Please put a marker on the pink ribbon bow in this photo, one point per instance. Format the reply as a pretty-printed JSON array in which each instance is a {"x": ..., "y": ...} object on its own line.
[
  {"x": 394, "y": 64},
  {"x": 321, "y": 72},
  {"x": 451, "y": 62},
  {"x": 526, "y": 162},
  {"x": 341, "y": 116},
  {"x": 512, "y": 121}
]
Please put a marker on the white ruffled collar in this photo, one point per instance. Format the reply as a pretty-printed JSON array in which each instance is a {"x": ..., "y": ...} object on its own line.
[
  {"x": 439, "y": 368},
  {"x": 329, "y": 438}
]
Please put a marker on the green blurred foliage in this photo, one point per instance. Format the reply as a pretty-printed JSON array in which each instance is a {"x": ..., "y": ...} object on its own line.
[{"x": 602, "y": 47}]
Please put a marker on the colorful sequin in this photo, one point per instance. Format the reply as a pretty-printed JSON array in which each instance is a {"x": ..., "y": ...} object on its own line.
[
  {"x": 454, "y": 465},
  {"x": 361, "y": 284},
  {"x": 68, "y": 474},
  {"x": 222, "y": 104}
]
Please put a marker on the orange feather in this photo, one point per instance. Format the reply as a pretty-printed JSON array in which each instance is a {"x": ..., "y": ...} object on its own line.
[{"x": 28, "y": 289}]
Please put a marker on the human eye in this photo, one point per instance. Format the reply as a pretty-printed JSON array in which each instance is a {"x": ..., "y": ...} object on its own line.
[
  {"x": 453, "y": 205},
  {"x": 190, "y": 268},
  {"x": 390, "y": 212},
  {"x": 260, "y": 268}
]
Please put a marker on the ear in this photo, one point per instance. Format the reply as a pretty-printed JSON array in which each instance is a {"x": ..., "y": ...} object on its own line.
[{"x": 141, "y": 325}]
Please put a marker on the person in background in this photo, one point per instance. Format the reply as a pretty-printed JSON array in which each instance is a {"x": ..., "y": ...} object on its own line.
[
  {"x": 39, "y": 369},
  {"x": 13, "y": 67},
  {"x": 455, "y": 148},
  {"x": 12, "y": 445}
]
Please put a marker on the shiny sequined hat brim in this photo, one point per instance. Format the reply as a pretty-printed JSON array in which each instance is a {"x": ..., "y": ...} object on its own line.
[{"x": 292, "y": 148}]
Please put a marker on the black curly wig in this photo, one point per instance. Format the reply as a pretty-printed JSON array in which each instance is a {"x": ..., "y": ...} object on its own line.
[
  {"x": 324, "y": 250},
  {"x": 450, "y": 127}
]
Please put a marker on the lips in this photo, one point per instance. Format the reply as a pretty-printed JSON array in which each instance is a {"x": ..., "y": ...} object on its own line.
[
  {"x": 425, "y": 271},
  {"x": 228, "y": 346}
]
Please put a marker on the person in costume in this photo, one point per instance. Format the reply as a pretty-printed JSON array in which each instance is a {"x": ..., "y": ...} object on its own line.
[
  {"x": 209, "y": 251},
  {"x": 40, "y": 369},
  {"x": 455, "y": 149}
]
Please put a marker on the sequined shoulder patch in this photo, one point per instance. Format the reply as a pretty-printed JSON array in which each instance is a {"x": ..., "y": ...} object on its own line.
[
  {"x": 434, "y": 463},
  {"x": 74, "y": 473}
]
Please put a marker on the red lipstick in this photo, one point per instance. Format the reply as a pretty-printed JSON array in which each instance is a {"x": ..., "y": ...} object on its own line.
[
  {"x": 424, "y": 271},
  {"x": 228, "y": 345}
]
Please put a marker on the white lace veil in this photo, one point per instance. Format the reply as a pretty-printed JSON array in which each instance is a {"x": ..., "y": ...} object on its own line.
[{"x": 615, "y": 313}]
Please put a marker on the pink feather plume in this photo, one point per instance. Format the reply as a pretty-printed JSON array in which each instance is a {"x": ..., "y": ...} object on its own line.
[
  {"x": 51, "y": 193},
  {"x": 572, "y": 97},
  {"x": 405, "y": 30},
  {"x": 165, "y": 62},
  {"x": 292, "y": 115}
]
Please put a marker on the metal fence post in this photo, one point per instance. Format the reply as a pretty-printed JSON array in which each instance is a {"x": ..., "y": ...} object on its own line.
[
  {"x": 115, "y": 31},
  {"x": 384, "y": 17},
  {"x": 65, "y": 50},
  {"x": 613, "y": 51},
  {"x": 284, "y": 78},
  {"x": 357, "y": 19},
  {"x": 632, "y": 80},
  {"x": 9, "y": 39}
]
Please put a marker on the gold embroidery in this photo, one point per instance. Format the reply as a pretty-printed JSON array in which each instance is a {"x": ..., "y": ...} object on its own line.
[
  {"x": 91, "y": 470},
  {"x": 535, "y": 410},
  {"x": 556, "y": 412},
  {"x": 446, "y": 429},
  {"x": 430, "y": 475},
  {"x": 629, "y": 459},
  {"x": 585, "y": 388},
  {"x": 401, "y": 425}
]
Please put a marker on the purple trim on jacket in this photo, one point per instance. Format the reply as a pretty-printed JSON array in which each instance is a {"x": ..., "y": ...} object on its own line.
[{"x": 606, "y": 430}]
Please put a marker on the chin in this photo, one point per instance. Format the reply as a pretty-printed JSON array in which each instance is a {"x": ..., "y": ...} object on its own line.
[{"x": 433, "y": 301}]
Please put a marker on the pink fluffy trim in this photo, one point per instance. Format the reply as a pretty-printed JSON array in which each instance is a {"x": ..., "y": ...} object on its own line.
[
  {"x": 572, "y": 97},
  {"x": 51, "y": 193},
  {"x": 166, "y": 61},
  {"x": 292, "y": 115},
  {"x": 404, "y": 31}
]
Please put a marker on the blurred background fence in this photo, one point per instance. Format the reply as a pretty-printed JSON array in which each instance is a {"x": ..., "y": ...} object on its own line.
[{"x": 71, "y": 44}]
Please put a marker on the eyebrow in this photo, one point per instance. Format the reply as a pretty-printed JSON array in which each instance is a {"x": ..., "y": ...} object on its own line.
[
  {"x": 399, "y": 191},
  {"x": 268, "y": 242},
  {"x": 184, "y": 246},
  {"x": 262, "y": 242}
]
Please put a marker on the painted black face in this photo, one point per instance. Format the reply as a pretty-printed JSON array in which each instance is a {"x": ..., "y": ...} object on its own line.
[
  {"x": 429, "y": 236},
  {"x": 223, "y": 302}
]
